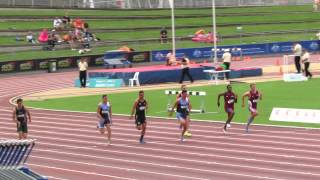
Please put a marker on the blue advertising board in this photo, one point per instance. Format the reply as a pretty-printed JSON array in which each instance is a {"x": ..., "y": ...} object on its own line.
[
  {"x": 246, "y": 50},
  {"x": 102, "y": 83}
]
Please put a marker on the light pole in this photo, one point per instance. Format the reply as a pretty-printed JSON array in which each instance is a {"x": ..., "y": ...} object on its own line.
[
  {"x": 173, "y": 28},
  {"x": 214, "y": 27}
]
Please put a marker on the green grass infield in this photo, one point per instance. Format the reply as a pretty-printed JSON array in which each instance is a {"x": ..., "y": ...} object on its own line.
[{"x": 302, "y": 95}]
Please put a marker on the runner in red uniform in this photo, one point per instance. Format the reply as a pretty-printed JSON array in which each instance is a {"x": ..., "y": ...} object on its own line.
[
  {"x": 229, "y": 99},
  {"x": 253, "y": 97}
]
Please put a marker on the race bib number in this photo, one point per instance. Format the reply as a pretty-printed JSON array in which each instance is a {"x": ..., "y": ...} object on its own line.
[
  {"x": 105, "y": 112},
  {"x": 20, "y": 116},
  {"x": 184, "y": 107},
  {"x": 142, "y": 108},
  {"x": 231, "y": 101}
]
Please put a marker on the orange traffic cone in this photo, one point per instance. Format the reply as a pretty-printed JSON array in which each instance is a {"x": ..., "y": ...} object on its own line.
[{"x": 247, "y": 58}]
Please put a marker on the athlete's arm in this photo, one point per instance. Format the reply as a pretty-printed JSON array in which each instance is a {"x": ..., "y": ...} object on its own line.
[
  {"x": 14, "y": 118},
  {"x": 218, "y": 103},
  {"x": 29, "y": 115},
  {"x": 243, "y": 96},
  {"x": 110, "y": 111},
  {"x": 236, "y": 98},
  {"x": 190, "y": 106},
  {"x": 133, "y": 108},
  {"x": 178, "y": 96},
  {"x": 98, "y": 112},
  {"x": 147, "y": 106},
  {"x": 173, "y": 107}
]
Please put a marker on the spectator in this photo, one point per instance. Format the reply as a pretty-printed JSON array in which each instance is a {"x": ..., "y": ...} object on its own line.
[
  {"x": 57, "y": 23},
  {"x": 306, "y": 61},
  {"x": 163, "y": 35},
  {"x": 78, "y": 23},
  {"x": 297, "y": 50},
  {"x": 185, "y": 70},
  {"x": 318, "y": 35},
  {"x": 171, "y": 59},
  {"x": 70, "y": 38},
  {"x": 316, "y": 5},
  {"x": 83, "y": 66},
  {"x": 51, "y": 42},
  {"x": 30, "y": 38},
  {"x": 66, "y": 20},
  {"x": 226, "y": 57},
  {"x": 43, "y": 36}
]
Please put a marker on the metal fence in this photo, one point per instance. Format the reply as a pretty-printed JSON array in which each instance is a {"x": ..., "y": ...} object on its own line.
[{"x": 128, "y": 4}]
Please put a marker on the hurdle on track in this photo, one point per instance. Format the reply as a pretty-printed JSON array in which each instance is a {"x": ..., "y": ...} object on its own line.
[
  {"x": 190, "y": 93},
  {"x": 288, "y": 75},
  {"x": 13, "y": 155}
]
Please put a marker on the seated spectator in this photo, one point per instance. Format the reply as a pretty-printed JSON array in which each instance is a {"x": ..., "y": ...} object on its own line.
[
  {"x": 30, "y": 38},
  {"x": 56, "y": 36},
  {"x": 163, "y": 35},
  {"x": 70, "y": 38},
  {"x": 78, "y": 23},
  {"x": 66, "y": 20},
  {"x": 57, "y": 23},
  {"x": 51, "y": 42},
  {"x": 78, "y": 33},
  {"x": 90, "y": 36},
  {"x": 318, "y": 35},
  {"x": 43, "y": 36},
  {"x": 316, "y": 5},
  {"x": 125, "y": 48},
  {"x": 171, "y": 59}
]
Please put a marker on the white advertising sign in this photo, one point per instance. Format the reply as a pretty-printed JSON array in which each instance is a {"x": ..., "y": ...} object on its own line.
[{"x": 295, "y": 115}]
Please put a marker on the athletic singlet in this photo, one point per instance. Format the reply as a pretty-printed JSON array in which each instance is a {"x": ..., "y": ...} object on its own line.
[
  {"x": 141, "y": 107},
  {"x": 253, "y": 99},
  {"x": 104, "y": 110},
  {"x": 229, "y": 99},
  {"x": 183, "y": 106},
  {"x": 21, "y": 114}
]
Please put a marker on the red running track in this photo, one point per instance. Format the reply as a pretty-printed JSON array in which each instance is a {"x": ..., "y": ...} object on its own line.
[{"x": 69, "y": 146}]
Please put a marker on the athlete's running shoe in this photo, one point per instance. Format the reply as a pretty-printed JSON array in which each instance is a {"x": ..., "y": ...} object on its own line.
[{"x": 187, "y": 134}]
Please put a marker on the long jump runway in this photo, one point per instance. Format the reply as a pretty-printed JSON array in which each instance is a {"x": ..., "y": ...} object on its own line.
[{"x": 69, "y": 146}]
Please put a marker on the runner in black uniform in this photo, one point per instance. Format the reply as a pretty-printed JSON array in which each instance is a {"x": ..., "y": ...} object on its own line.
[
  {"x": 19, "y": 116},
  {"x": 139, "y": 108},
  {"x": 104, "y": 114}
]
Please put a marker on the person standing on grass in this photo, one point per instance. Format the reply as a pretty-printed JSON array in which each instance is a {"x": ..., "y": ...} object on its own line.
[
  {"x": 104, "y": 114},
  {"x": 20, "y": 116},
  {"x": 297, "y": 51},
  {"x": 139, "y": 109},
  {"x": 184, "y": 87},
  {"x": 83, "y": 66},
  {"x": 229, "y": 99},
  {"x": 253, "y": 97},
  {"x": 306, "y": 61},
  {"x": 183, "y": 106}
]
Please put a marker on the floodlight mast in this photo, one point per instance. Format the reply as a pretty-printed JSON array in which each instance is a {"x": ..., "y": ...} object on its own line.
[
  {"x": 173, "y": 28},
  {"x": 214, "y": 28}
]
